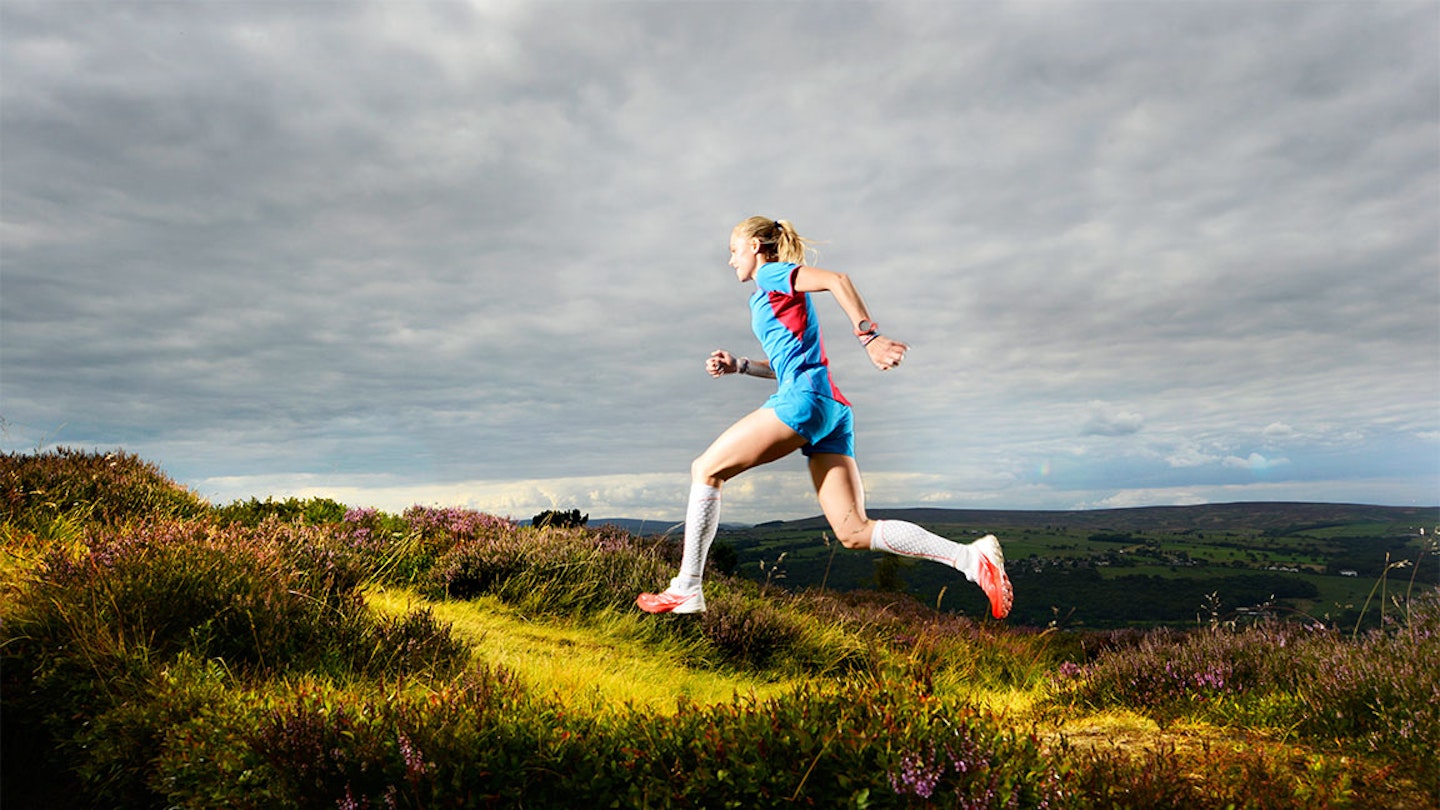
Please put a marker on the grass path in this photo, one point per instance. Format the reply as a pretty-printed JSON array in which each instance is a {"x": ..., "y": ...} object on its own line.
[{"x": 599, "y": 666}]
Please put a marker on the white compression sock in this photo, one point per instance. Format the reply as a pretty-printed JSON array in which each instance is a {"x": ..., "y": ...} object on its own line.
[
  {"x": 909, "y": 540},
  {"x": 702, "y": 519}
]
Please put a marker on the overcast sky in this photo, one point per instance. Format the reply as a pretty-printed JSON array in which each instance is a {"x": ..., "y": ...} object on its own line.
[{"x": 475, "y": 253}]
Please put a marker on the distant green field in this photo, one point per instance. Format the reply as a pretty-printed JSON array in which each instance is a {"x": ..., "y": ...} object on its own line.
[{"x": 1111, "y": 569}]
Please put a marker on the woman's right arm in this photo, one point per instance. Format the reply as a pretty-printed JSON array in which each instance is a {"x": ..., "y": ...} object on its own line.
[{"x": 884, "y": 352}]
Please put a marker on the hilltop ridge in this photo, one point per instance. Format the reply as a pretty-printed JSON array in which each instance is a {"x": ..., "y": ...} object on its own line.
[{"x": 1262, "y": 515}]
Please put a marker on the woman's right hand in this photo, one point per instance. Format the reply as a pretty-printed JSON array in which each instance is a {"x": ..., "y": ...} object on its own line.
[
  {"x": 886, "y": 353},
  {"x": 721, "y": 363}
]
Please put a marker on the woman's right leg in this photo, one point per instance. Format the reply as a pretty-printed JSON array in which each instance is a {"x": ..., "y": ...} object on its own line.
[{"x": 758, "y": 438}]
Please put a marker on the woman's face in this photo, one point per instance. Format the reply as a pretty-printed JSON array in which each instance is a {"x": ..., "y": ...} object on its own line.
[{"x": 744, "y": 255}]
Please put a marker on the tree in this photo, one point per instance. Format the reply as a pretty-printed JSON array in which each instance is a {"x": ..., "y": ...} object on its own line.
[
  {"x": 552, "y": 519},
  {"x": 723, "y": 557},
  {"x": 887, "y": 574}
]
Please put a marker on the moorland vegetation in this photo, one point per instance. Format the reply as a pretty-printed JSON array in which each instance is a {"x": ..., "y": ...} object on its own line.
[{"x": 160, "y": 651}]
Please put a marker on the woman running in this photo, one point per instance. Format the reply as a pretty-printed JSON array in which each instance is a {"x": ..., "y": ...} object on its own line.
[{"x": 809, "y": 414}]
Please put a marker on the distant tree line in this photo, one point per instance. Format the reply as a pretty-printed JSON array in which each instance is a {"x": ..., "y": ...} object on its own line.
[
  {"x": 1368, "y": 556},
  {"x": 555, "y": 519},
  {"x": 1083, "y": 596}
]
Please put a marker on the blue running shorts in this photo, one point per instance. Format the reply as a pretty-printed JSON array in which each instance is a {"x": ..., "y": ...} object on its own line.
[{"x": 825, "y": 423}]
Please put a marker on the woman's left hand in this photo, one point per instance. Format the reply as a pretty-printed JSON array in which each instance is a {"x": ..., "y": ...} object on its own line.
[{"x": 886, "y": 353}]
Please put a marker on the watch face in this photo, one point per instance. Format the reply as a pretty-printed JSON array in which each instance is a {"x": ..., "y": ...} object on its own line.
[{"x": 865, "y": 327}]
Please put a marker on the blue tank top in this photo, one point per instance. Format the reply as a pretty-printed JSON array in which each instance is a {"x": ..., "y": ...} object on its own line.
[{"x": 785, "y": 324}]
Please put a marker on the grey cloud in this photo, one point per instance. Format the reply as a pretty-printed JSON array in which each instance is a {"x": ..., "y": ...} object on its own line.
[
  {"x": 1105, "y": 420},
  {"x": 448, "y": 241}
]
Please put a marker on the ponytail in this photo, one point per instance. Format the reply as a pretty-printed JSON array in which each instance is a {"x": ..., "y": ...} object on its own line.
[{"x": 779, "y": 240}]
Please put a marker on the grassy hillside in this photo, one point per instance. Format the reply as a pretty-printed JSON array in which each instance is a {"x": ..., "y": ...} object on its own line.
[
  {"x": 1136, "y": 567},
  {"x": 161, "y": 652}
]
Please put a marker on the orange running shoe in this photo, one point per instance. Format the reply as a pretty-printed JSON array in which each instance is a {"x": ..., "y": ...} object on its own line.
[
  {"x": 990, "y": 575},
  {"x": 671, "y": 602}
]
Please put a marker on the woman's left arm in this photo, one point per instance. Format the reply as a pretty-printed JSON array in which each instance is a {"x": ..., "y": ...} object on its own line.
[{"x": 884, "y": 352}]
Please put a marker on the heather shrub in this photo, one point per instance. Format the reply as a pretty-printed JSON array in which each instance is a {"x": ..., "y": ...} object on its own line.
[
  {"x": 98, "y": 626},
  {"x": 749, "y": 629},
  {"x": 61, "y": 491},
  {"x": 467, "y": 743},
  {"x": 547, "y": 571},
  {"x": 1161, "y": 777},
  {"x": 480, "y": 741},
  {"x": 279, "y": 596},
  {"x": 110, "y": 755},
  {"x": 258, "y": 597},
  {"x": 404, "y": 549},
  {"x": 1379, "y": 692},
  {"x": 314, "y": 511},
  {"x": 868, "y": 743},
  {"x": 454, "y": 523},
  {"x": 483, "y": 741},
  {"x": 476, "y": 568},
  {"x": 391, "y": 552},
  {"x": 1170, "y": 674},
  {"x": 929, "y": 647}
]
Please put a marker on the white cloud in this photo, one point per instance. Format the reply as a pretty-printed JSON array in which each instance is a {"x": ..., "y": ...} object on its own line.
[
  {"x": 638, "y": 496},
  {"x": 1191, "y": 456},
  {"x": 1255, "y": 462},
  {"x": 1105, "y": 420},
  {"x": 1152, "y": 497},
  {"x": 782, "y": 492},
  {"x": 1279, "y": 431}
]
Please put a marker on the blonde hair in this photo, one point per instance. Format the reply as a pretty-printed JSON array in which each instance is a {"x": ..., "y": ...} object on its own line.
[{"x": 778, "y": 239}]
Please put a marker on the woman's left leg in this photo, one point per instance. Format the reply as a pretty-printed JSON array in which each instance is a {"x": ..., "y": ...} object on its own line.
[{"x": 842, "y": 499}]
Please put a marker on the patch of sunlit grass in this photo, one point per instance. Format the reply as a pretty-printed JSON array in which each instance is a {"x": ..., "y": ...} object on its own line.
[
  {"x": 1011, "y": 703},
  {"x": 15, "y": 564},
  {"x": 598, "y": 667},
  {"x": 1110, "y": 727}
]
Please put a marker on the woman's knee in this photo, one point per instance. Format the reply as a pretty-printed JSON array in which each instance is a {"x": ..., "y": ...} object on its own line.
[
  {"x": 705, "y": 470},
  {"x": 852, "y": 534}
]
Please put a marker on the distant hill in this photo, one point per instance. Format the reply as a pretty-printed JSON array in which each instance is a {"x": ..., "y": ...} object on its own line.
[
  {"x": 638, "y": 526},
  {"x": 1263, "y": 516},
  {"x": 646, "y": 528}
]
